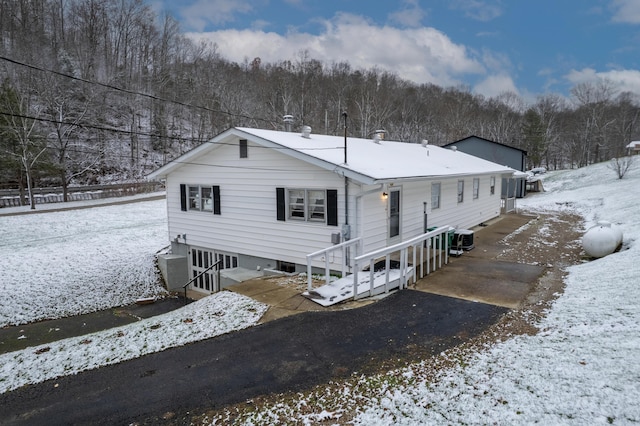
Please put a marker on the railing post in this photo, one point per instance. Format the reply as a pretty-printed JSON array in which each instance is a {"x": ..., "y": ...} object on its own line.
[{"x": 309, "y": 278}]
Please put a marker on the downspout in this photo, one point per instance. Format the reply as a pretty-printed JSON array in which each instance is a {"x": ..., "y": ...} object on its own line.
[{"x": 346, "y": 233}]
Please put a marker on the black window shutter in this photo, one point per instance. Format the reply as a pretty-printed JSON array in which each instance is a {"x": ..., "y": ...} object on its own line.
[
  {"x": 332, "y": 207},
  {"x": 183, "y": 197},
  {"x": 216, "y": 199},
  {"x": 281, "y": 205}
]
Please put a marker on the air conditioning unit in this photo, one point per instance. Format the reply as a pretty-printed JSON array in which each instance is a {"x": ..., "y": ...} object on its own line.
[{"x": 467, "y": 238}]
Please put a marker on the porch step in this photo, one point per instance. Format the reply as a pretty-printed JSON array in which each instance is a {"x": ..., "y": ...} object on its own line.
[
  {"x": 342, "y": 289},
  {"x": 237, "y": 275}
]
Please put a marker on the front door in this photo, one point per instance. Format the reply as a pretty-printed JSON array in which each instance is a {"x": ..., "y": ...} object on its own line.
[{"x": 394, "y": 215}]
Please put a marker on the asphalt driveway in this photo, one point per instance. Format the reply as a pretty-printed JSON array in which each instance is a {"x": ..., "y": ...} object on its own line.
[{"x": 288, "y": 354}]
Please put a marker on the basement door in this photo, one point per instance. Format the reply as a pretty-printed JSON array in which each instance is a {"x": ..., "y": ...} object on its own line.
[{"x": 201, "y": 260}]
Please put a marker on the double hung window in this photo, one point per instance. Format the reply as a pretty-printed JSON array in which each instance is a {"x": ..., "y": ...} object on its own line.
[
  {"x": 204, "y": 198},
  {"x": 307, "y": 204},
  {"x": 435, "y": 195}
]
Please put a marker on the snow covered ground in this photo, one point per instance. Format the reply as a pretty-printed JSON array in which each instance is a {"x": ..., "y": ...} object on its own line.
[
  {"x": 581, "y": 368},
  {"x": 58, "y": 264}
]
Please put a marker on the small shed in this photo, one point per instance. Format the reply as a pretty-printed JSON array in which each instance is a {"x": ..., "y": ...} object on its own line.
[{"x": 633, "y": 148}]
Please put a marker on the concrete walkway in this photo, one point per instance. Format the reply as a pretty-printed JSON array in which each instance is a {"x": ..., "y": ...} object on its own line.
[{"x": 478, "y": 275}]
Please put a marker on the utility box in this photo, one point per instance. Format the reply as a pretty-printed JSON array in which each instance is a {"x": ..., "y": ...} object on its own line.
[{"x": 335, "y": 238}]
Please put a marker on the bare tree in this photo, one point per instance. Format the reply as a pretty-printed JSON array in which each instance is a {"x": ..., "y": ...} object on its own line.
[
  {"x": 621, "y": 165},
  {"x": 20, "y": 128}
]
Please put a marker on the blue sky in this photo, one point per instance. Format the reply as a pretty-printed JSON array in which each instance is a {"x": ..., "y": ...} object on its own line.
[{"x": 529, "y": 47}]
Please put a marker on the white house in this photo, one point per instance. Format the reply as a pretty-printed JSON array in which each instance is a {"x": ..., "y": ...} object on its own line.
[{"x": 262, "y": 199}]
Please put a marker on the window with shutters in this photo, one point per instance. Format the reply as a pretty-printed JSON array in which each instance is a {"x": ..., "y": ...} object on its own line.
[
  {"x": 203, "y": 198},
  {"x": 307, "y": 204}
]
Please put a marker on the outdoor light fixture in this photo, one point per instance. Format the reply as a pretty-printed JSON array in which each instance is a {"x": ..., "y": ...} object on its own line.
[{"x": 385, "y": 195}]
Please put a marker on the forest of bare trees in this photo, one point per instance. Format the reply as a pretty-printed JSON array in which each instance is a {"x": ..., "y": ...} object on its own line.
[{"x": 95, "y": 91}]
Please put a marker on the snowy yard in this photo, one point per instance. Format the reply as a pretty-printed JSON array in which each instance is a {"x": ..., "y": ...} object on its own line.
[{"x": 58, "y": 264}]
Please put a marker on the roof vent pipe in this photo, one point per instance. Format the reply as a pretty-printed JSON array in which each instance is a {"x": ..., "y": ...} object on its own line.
[
  {"x": 288, "y": 122},
  {"x": 454, "y": 148},
  {"x": 376, "y": 138},
  {"x": 306, "y": 132},
  {"x": 425, "y": 144}
]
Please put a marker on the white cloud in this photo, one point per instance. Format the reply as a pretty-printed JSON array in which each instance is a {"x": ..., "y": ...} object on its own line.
[
  {"x": 410, "y": 16},
  {"x": 418, "y": 54},
  {"x": 627, "y": 11},
  {"x": 478, "y": 9},
  {"x": 625, "y": 80},
  {"x": 203, "y": 12},
  {"x": 495, "y": 85}
]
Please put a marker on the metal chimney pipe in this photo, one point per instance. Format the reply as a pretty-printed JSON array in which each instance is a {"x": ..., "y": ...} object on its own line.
[{"x": 288, "y": 122}]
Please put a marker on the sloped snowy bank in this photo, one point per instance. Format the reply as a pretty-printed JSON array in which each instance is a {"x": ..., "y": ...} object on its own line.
[{"x": 59, "y": 264}]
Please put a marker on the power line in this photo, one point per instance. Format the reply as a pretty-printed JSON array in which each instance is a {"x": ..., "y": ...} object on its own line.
[
  {"x": 131, "y": 92},
  {"x": 150, "y": 135}
]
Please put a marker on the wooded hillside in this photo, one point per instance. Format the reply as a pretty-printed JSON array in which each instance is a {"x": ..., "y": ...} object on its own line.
[{"x": 95, "y": 91}]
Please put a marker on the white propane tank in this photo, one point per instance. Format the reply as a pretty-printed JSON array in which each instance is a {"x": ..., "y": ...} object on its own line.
[{"x": 602, "y": 239}]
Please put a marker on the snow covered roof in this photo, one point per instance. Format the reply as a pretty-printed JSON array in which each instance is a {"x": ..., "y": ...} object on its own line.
[
  {"x": 634, "y": 145},
  {"x": 367, "y": 161}
]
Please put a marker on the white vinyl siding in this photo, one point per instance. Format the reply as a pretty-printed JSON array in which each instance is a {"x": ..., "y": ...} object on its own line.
[
  {"x": 466, "y": 214},
  {"x": 248, "y": 224}
]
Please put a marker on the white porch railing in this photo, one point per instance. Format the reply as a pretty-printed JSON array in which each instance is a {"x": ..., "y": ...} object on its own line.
[
  {"x": 344, "y": 248},
  {"x": 508, "y": 204},
  {"x": 428, "y": 255},
  {"x": 428, "y": 250}
]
